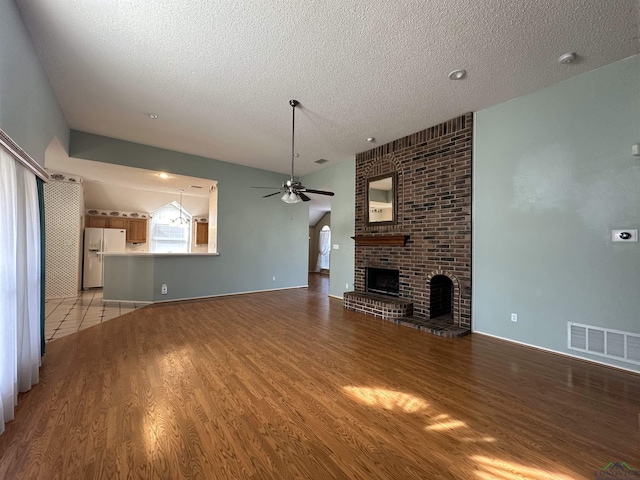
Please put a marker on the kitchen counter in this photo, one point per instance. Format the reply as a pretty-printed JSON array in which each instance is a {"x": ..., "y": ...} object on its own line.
[{"x": 150, "y": 254}]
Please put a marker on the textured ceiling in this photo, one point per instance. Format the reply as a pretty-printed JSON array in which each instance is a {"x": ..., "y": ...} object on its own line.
[{"x": 220, "y": 73}]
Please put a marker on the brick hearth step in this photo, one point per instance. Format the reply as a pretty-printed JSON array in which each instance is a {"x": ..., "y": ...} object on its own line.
[
  {"x": 442, "y": 328},
  {"x": 383, "y": 306},
  {"x": 400, "y": 311}
]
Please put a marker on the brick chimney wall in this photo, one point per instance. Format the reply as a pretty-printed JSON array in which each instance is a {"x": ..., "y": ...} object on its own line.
[{"x": 434, "y": 209}]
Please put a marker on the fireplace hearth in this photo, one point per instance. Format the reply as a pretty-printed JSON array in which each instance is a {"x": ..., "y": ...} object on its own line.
[{"x": 382, "y": 280}]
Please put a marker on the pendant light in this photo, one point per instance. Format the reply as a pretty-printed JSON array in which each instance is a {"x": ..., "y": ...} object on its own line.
[{"x": 180, "y": 221}]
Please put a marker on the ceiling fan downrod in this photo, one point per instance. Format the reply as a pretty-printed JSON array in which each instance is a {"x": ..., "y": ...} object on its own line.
[{"x": 294, "y": 104}]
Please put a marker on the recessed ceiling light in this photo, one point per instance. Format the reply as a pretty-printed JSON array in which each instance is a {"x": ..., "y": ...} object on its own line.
[
  {"x": 152, "y": 116},
  {"x": 457, "y": 74},
  {"x": 371, "y": 139},
  {"x": 163, "y": 175},
  {"x": 567, "y": 57}
]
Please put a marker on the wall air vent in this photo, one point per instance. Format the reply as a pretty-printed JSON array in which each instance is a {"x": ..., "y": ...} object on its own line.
[
  {"x": 321, "y": 161},
  {"x": 605, "y": 342}
]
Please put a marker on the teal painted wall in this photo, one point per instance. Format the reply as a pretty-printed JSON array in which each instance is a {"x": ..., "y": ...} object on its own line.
[
  {"x": 553, "y": 175},
  {"x": 29, "y": 111},
  {"x": 258, "y": 238},
  {"x": 128, "y": 278},
  {"x": 340, "y": 179}
]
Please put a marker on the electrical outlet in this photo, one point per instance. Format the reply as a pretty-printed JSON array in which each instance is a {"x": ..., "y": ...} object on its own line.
[
  {"x": 164, "y": 289},
  {"x": 346, "y": 285},
  {"x": 514, "y": 317},
  {"x": 273, "y": 279}
]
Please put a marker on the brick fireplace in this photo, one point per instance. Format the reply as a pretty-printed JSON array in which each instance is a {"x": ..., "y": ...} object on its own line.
[{"x": 433, "y": 170}]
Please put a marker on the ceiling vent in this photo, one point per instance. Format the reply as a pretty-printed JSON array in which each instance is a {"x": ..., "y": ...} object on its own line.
[
  {"x": 196, "y": 186},
  {"x": 321, "y": 161}
]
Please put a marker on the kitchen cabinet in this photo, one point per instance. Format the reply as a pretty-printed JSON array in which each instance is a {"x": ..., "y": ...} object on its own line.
[
  {"x": 202, "y": 233},
  {"x": 136, "y": 227},
  {"x": 137, "y": 230},
  {"x": 97, "y": 222},
  {"x": 115, "y": 222}
]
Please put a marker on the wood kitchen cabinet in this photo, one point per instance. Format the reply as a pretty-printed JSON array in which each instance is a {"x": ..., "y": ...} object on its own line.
[
  {"x": 97, "y": 222},
  {"x": 136, "y": 227},
  {"x": 137, "y": 230},
  {"x": 115, "y": 222},
  {"x": 202, "y": 233}
]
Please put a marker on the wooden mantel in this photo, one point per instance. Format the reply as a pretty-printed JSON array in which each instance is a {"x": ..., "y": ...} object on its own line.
[{"x": 382, "y": 240}]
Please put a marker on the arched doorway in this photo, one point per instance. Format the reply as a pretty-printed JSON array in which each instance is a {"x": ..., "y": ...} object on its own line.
[{"x": 324, "y": 249}]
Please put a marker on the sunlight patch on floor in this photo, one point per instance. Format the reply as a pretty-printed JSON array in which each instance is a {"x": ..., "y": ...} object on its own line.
[
  {"x": 436, "y": 422},
  {"x": 444, "y": 422},
  {"x": 387, "y": 399},
  {"x": 478, "y": 440},
  {"x": 496, "y": 469}
]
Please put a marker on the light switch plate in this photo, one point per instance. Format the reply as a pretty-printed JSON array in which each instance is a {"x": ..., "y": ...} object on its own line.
[{"x": 615, "y": 235}]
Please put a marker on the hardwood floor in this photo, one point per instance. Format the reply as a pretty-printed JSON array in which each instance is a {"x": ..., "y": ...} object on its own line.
[{"x": 288, "y": 385}]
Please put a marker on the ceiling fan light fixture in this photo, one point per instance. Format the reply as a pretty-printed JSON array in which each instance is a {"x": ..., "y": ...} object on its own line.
[{"x": 291, "y": 197}]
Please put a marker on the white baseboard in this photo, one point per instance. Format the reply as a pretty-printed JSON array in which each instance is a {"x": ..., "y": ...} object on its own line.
[
  {"x": 557, "y": 352},
  {"x": 127, "y": 301},
  {"x": 335, "y": 296},
  {"x": 219, "y": 295}
]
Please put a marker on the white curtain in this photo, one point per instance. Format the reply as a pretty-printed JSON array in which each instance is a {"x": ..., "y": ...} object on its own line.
[
  {"x": 324, "y": 247},
  {"x": 19, "y": 283}
]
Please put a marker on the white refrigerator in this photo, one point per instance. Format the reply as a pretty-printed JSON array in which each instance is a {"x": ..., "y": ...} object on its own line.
[{"x": 96, "y": 242}]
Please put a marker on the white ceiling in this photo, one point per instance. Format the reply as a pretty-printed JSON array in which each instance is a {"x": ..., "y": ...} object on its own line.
[
  {"x": 105, "y": 196},
  {"x": 220, "y": 73},
  {"x": 108, "y": 186},
  {"x": 115, "y": 187},
  {"x": 128, "y": 177}
]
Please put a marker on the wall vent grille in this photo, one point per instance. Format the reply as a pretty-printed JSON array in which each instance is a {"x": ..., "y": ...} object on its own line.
[{"x": 605, "y": 342}]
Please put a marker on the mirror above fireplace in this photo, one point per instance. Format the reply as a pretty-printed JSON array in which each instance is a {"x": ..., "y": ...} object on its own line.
[{"x": 381, "y": 199}]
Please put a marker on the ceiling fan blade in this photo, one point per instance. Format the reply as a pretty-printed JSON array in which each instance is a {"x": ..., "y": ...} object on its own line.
[
  {"x": 319, "y": 192},
  {"x": 304, "y": 197},
  {"x": 271, "y": 188},
  {"x": 271, "y": 194}
]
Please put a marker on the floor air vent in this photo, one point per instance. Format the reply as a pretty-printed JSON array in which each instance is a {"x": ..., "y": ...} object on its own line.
[{"x": 605, "y": 342}]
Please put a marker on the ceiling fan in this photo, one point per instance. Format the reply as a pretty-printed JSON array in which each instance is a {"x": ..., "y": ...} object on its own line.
[{"x": 294, "y": 191}]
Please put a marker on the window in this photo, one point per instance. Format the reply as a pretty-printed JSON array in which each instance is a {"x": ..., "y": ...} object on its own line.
[{"x": 170, "y": 230}]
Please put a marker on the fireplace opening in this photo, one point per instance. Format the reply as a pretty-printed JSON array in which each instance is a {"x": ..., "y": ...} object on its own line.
[
  {"x": 382, "y": 280},
  {"x": 441, "y": 296}
]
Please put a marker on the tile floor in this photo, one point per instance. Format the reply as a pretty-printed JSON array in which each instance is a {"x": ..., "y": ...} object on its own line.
[{"x": 64, "y": 316}]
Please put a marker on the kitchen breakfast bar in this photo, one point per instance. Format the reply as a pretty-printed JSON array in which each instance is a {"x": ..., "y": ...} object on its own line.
[{"x": 139, "y": 277}]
